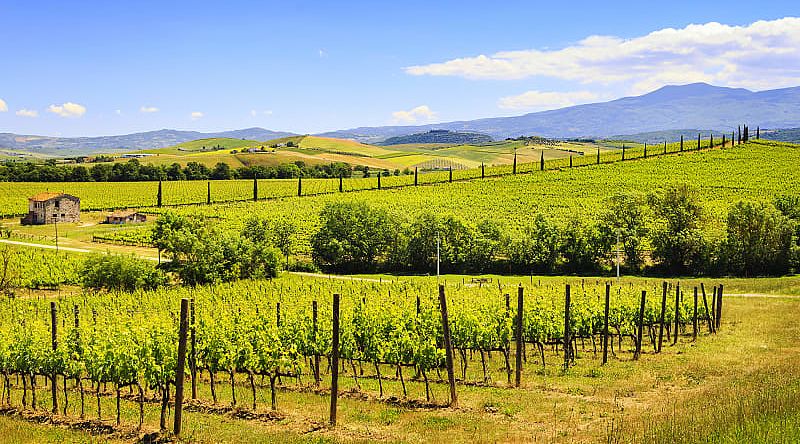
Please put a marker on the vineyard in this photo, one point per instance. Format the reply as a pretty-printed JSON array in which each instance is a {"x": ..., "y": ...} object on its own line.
[
  {"x": 256, "y": 340},
  {"x": 755, "y": 171},
  {"x": 96, "y": 196}
]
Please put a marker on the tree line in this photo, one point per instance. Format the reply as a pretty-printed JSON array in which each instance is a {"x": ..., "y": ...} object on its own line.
[
  {"x": 664, "y": 233},
  {"x": 135, "y": 171}
]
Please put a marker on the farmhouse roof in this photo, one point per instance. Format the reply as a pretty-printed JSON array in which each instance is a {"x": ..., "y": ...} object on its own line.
[
  {"x": 123, "y": 213},
  {"x": 43, "y": 197}
]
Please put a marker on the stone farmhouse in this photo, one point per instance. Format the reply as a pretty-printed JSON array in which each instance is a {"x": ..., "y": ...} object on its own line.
[{"x": 48, "y": 208}]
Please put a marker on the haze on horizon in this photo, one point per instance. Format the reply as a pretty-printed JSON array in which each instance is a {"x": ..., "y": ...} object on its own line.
[{"x": 98, "y": 68}]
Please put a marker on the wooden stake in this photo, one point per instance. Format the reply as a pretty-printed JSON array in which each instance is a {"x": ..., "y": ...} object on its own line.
[
  {"x": 641, "y": 325},
  {"x": 334, "y": 360},
  {"x": 448, "y": 348},
  {"x": 314, "y": 338},
  {"x": 719, "y": 307},
  {"x": 661, "y": 318},
  {"x": 567, "y": 339},
  {"x": 54, "y": 340},
  {"x": 677, "y": 311},
  {"x": 605, "y": 324},
  {"x": 179, "y": 371},
  {"x": 518, "y": 335},
  {"x": 694, "y": 317}
]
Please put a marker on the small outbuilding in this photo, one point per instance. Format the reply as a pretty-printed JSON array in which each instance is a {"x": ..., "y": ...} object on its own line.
[
  {"x": 48, "y": 208},
  {"x": 125, "y": 217}
]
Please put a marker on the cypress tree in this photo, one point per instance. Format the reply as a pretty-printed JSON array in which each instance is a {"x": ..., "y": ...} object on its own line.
[
  {"x": 723, "y": 140},
  {"x": 541, "y": 162},
  {"x": 711, "y": 141},
  {"x": 623, "y": 151},
  {"x": 645, "y": 150},
  {"x": 598, "y": 155},
  {"x": 758, "y": 132},
  {"x": 665, "y": 145},
  {"x": 514, "y": 171},
  {"x": 698, "y": 141},
  {"x": 739, "y": 129}
]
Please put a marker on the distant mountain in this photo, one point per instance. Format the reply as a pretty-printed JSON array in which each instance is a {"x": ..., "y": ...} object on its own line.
[
  {"x": 782, "y": 135},
  {"x": 76, "y": 146},
  {"x": 697, "y": 105},
  {"x": 439, "y": 136}
]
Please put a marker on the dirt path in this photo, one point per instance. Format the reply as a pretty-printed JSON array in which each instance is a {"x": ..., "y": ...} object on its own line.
[{"x": 62, "y": 248}]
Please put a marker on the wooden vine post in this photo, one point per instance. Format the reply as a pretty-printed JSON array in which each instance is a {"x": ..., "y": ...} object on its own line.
[
  {"x": 518, "y": 335},
  {"x": 677, "y": 312},
  {"x": 416, "y": 176},
  {"x": 255, "y": 188},
  {"x": 341, "y": 182},
  {"x": 705, "y": 305},
  {"x": 208, "y": 193},
  {"x": 483, "y": 171},
  {"x": 694, "y": 317},
  {"x": 159, "y": 195},
  {"x": 718, "y": 318},
  {"x": 451, "y": 174},
  {"x": 379, "y": 180},
  {"x": 299, "y": 186},
  {"x": 641, "y": 326},
  {"x": 448, "y": 348},
  {"x": 661, "y": 318},
  {"x": 605, "y": 324},
  {"x": 314, "y": 338},
  {"x": 193, "y": 353},
  {"x": 567, "y": 338},
  {"x": 180, "y": 367},
  {"x": 334, "y": 359},
  {"x": 541, "y": 162},
  {"x": 54, "y": 340}
]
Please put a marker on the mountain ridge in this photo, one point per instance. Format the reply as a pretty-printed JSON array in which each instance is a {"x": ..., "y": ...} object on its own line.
[{"x": 669, "y": 108}]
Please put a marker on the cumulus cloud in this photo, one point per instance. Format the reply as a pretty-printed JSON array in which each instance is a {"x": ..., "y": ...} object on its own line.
[
  {"x": 538, "y": 100},
  {"x": 420, "y": 113},
  {"x": 763, "y": 54},
  {"x": 3, "y": 106},
  {"x": 196, "y": 115},
  {"x": 148, "y": 109},
  {"x": 68, "y": 109},
  {"x": 27, "y": 113}
]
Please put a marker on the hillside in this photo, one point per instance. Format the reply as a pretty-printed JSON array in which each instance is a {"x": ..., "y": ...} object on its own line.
[
  {"x": 78, "y": 146},
  {"x": 696, "y": 105},
  {"x": 439, "y": 136}
]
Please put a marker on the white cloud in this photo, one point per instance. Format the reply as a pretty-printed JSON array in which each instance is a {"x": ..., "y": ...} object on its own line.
[
  {"x": 118, "y": 112},
  {"x": 68, "y": 109},
  {"x": 27, "y": 113},
  {"x": 420, "y": 113},
  {"x": 197, "y": 115},
  {"x": 148, "y": 109},
  {"x": 255, "y": 113},
  {"x": 322, "y": 53},
  {"x": 538, "y": 100},
  {"x": 3, "y": 106},
  {"x": 763, "y": 54}
]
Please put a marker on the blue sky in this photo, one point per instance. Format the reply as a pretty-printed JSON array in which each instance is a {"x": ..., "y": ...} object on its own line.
[{"x": 97, "y": 68}]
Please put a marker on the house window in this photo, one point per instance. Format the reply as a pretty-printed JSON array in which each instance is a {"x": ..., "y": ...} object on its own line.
[
  {"x": 58, "y": 203},
  {"x": 62, "y": 215}
]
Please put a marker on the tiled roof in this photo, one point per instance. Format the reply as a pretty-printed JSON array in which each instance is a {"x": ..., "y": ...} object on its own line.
[{"x": 41, "y": 197}]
